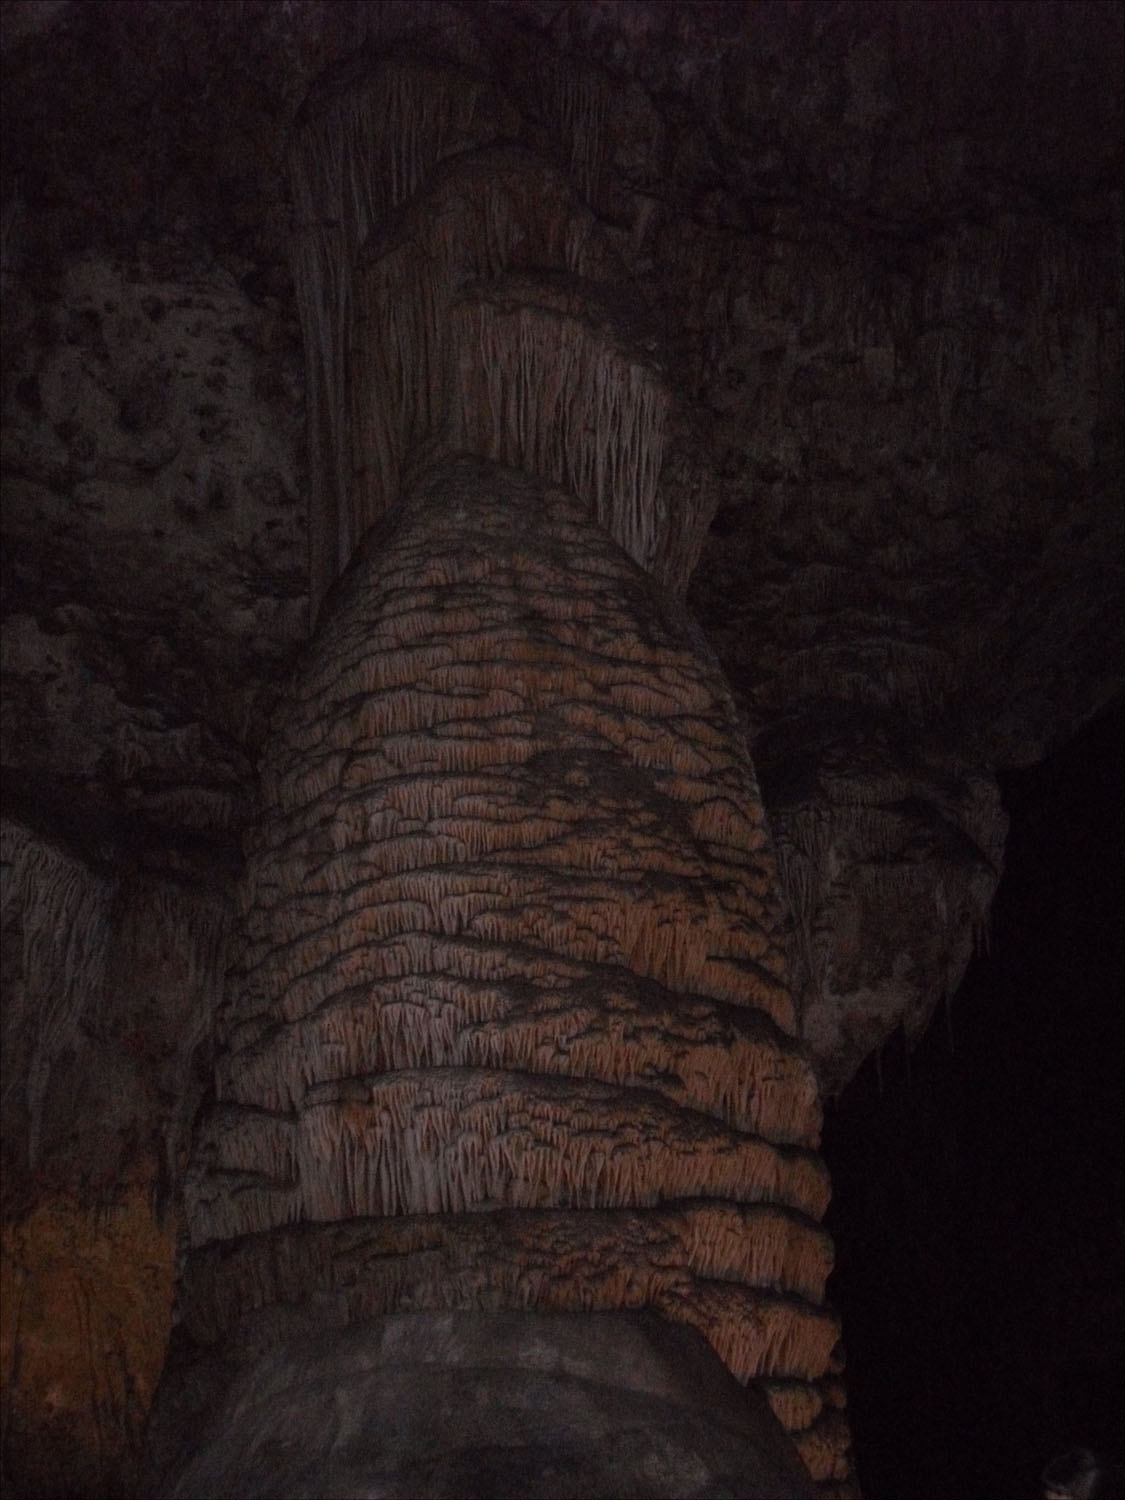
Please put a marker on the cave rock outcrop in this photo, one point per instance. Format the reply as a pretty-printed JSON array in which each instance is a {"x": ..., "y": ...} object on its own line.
[{"x": 814, "y": 310}]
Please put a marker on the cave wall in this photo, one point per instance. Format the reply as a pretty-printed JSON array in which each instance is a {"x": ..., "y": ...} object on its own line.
[
  {"x": 1013, "y": 1101},
  {"x": 880, "y": 246}
]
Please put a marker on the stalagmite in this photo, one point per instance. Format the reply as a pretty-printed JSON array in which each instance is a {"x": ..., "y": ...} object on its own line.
[
  {"x": 508, "y": 1022},
  {"x": 539, "y": 980}
]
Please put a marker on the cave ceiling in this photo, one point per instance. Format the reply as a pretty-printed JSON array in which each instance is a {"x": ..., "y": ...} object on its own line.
[{"x": 879, "y": 249}]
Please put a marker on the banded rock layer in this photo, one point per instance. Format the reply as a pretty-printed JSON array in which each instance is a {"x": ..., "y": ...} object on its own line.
[{"x": 511, "y": 1024}]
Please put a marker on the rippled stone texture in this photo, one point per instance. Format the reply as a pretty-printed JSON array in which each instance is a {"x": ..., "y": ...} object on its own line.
[{"x": 512, "y": 957}]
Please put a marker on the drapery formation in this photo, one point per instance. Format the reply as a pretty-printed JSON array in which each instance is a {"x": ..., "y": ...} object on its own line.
[
  {"x": 510, "y": 1024},
  {"x": 457, "y": 294}
]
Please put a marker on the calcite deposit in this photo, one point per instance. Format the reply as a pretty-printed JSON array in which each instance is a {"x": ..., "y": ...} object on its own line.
[{"x": 744, "y": 380}]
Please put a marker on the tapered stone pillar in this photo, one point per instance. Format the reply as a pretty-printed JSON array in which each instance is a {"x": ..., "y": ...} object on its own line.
[{"x": 509, "y": 1027}]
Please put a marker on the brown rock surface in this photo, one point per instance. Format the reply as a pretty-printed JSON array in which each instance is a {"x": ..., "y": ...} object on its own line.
[
  {"x": 879, "y": 250},
  {"x": 509, "y": 884}
]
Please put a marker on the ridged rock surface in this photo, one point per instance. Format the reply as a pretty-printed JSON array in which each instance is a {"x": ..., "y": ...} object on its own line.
[
  {"x": 880, "y": 247},
  {"x": 512, "y": 947}
]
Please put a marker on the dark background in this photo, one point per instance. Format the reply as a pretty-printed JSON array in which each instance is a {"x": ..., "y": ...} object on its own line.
[{"x": 979, "y": 1211}]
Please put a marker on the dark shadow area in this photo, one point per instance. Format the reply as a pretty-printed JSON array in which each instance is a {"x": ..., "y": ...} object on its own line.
[{"x": 979, "y": 1211}]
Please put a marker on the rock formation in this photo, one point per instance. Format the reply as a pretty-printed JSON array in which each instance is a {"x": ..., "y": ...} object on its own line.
[
  {"x": 512, "y": 944},
  {"x": 805, "y": 317}
]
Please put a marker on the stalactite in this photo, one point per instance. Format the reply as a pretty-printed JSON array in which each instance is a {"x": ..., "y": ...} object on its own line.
[
  {"x": 741, "y": 1268},
  {"x": 357, "y": 156},
  {"x": 823, "y": 1447},
  {"x": 61, "y": 909},
  {"x": 180, "y": 932},
  {"x": 447, "y": 1140},
  {"x": 537, "y": 374},
  {"x": 73, "y": 924},
  {"x": 575, "y": 99},
  {"x": 523, "y": 370},
  {"x": 509, "y": 951},
  {"x": 756, "y": 1336},
  {"x": 544, "y": 388},
  {"x": 795, "y": 1404},
  {"x": 494, "y": 211},
  {"x": 509, "y": 1021},
  {"x": 803, "y": 841},
  {"x": 707, "y": 1056}
]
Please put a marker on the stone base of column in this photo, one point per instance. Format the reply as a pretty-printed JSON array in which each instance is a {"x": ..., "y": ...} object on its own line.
[{"x": 474, "y": 1404}]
